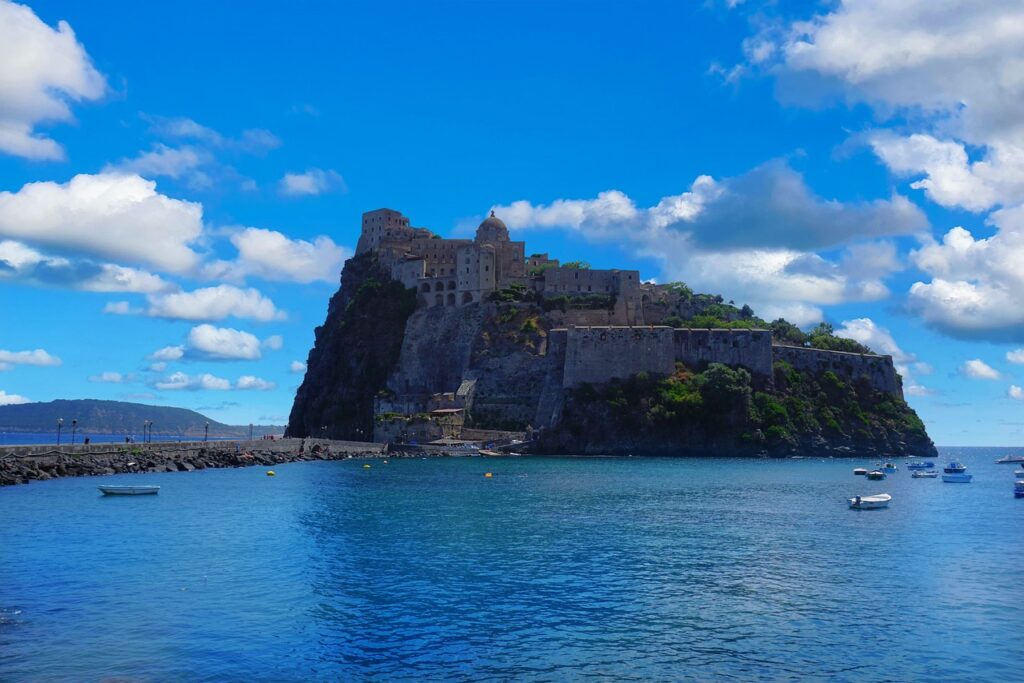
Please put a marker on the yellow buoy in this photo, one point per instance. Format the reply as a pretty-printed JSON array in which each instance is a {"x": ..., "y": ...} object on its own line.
[
  {"x": 488, "y": 475},
  {"x": 271, "y": 473},
  {"x": 366, "y": 467}
]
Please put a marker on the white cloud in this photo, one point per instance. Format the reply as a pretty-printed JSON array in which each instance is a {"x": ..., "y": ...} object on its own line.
[
  {"x": 12, "y": 399},
  {"x": 21, "y": 263},
  {"x": 297, "y": 367},
  {"x": 272, "y": 255},
  {"x": 274, "y": 342},
  {"x": 251, "y": 141},
  {"x": 249, "y": 382},
  {"x": 214, "y": 303},
  {"x": 121, "y": 217},
  {"x": 1015, "y": 356},
  {"x": 1016, "y": 392},
  {"x": 168, "y": 353},
  {"x": 170, "y": 162},
  {"x": 880, "y": 340},
  {"x": 41, "y": 70},
  {"x": 978, "y": 369},
  {"x": 159, "y": 366},
  {"x": 121, "y": 308},
  {"x": 108, "y": 378},
  {"x": 37, "y": 357},
  {"x": 313, "y": 181},
  {"x": 180, "y": 381},
  {"x": 223, "y": 343}
]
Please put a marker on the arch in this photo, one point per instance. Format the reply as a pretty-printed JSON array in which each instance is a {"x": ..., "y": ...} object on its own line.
[
  {"x": 425, "y": 287},
  {"x": 421, "y": 300},
  {"x": 438, "y": 286},
  {"x": 451, "y": 298},
  {"x": 467, "y": 297},
  {"x": 439, "y": 299},
  {"x": 645, "y": 299},
  {"x": 451, "y": 284}
]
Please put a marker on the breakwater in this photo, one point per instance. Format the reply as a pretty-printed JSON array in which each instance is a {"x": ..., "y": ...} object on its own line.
[{"x": 22, "y": 464}]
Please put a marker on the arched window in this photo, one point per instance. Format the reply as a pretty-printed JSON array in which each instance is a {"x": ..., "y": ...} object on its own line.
[
  {"x": 451, "y": 284},
  {"x": 439, "y": 299},
  {"x": 467, "y": 297},
  {"x": 425, "y": 287},
  {"x": 439, "y": 287},
  {"x": 451, "y": 298}
]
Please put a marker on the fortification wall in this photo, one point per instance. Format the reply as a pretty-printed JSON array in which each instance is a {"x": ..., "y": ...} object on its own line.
[
  {"x": 751, "y": 349},
  {"x": 599, "y": 354},
  {"x": 879, "y": 370}
]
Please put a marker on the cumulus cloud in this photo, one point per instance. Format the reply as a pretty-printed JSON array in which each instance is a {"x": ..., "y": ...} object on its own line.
[
  {"x": 271, "y": 255},
  {"x": 274, "y": 342},
  {"x": 37, "y": 357},
  {"x": 108, "y": 378},
  {"x": 214, "y": 303},
  {"x": 12, "y": 399},
  {"x": 880, "y": 340},
  {"x": 170, "y": 162},
  {"x": 1016, "y": 392},
  {"x": 21, "y": 263},
  {"x": 297, "y": 367},
  {"x": 41, "y": 70},
  {"x": 120, "y": 217},
  {"x": 223, "y": 343},
  {"x": 976, "y": 284},
  {"x": 252, "y": 140},
  {"x": 179, "y": 381},
  {"x": 251, "y": 383},
  {"x": 313, "y": 181},
  {"x": 978, "y": 369},
  {"x": 753, "y": 238},
  {"x": 1016, "y": 356},
  {"x": 168, "y": 353}
]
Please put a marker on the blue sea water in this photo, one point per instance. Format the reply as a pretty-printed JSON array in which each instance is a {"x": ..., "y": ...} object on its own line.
[{"x": 553, "y": 569}]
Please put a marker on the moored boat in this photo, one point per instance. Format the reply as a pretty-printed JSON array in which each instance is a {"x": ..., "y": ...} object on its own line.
[
  {"x": 876, "y": 475},
  {"x": 921, "y": 465},
  {"x": 129, "y": 490},
  {"x": 957, "y": 478},
  {"x": 955, "y": 467},
  {"x": 1010, "y": 459},
  {"x": 925, "y": 474},
  {"x": 889, "y": 468},
  {"x": 1018, "y": 488},
  {"x": 875, "y": 502},
  {"x": 860, "y": 471},
  {"x": 1019, "y": 474}
]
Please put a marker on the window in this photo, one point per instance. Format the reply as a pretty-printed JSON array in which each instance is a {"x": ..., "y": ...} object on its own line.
[{"x": 487, "y": 269}]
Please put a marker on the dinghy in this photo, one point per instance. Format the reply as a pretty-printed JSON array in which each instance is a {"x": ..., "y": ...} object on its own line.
[
  {"x": 860, "y": 471},
  {"x": 876, "y": 475},
  {"x": 925, "y": 474},
  {"x": 957, "y": 478},
  {"x": 129, "y": 490},
  {"x": 870, "y": 502}
]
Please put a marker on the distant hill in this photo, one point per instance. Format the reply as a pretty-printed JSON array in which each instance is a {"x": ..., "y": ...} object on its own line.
[{"x": 119, "y": 417}]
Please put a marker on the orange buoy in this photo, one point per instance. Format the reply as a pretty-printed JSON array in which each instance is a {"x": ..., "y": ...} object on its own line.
[{"x": 488, "y": 475}]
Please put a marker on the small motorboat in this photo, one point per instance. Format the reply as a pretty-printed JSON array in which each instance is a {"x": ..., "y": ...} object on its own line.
[
  {"x": 875, "y": 475},
  {"x": 1010, "y": 459},
  {"x": 889, "y": 468},
  {"x": 955, "y": 468},
  {"x": 129, "y": 490},
  {"x": 860, "y": 471},
  {"x": 1019, "y": 474},
  {"x": 925, "y": 474},
  {"x": 1018, "y": 488},
  {"x": 870, "y": 502},
  {"x": 957, "y": 478},
  {"x": 921, "y": 465}
]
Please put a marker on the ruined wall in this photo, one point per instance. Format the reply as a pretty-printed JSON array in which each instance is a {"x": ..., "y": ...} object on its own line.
[
  {"x": 848, "y": 366},
  {"x": 599, "y": 354},
  {"x": 751, "y": 349}
]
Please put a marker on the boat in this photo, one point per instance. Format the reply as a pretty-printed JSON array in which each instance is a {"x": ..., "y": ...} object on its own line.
[
  {"x": 957, "y": 478},
  {"x": 1010, "y": 459},
  {"x": 129, "y": 490},
  {"x": 1018, "y": 488},
  {"x": 921, "y": 465},
  {"x": 925, "y": 474},
  {"x": 490, "y": 453},
  {"x": 876, "y": 475},
  {"x": 860, "y": 471},
  {"x": 870, "y": 502},
  {"x": 955, "y": 468},
  {"x": 1019, "y": 474},
  {"x": 889, "y": 468}
]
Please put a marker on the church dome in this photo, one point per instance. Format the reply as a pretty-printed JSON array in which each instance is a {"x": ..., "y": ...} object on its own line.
[{"x": 492, "y": 229}]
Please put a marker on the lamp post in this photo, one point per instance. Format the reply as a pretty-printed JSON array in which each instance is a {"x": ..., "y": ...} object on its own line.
[
  {"x": 60, "y": 424},
  {"x": 206, "y": 432},
  {"x": 151, "y": 431},
  {"x": 250, "y": 431},
  {"x": 74, "y": 428},
  {"x": 145, "y": 430}
]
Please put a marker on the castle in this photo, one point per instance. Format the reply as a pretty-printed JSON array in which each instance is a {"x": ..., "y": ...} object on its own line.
[{"x": 608, "y": 325}]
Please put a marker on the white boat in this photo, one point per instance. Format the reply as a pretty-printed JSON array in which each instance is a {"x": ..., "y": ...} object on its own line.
[
  {"x": 860, "y": 471},
  {"x": 955, "y": 468},
  {"x": 876, "y": 475},
  {"x": 957, "y": 478},
  {"x": 870, "y": 502},
  {"x": 1019, "y": 474},
  {"x": 1018, "y": 489},
  {"x": 889, "y": 468},
  {"x": 925, "y": 474},
  {"x": 1010, "y": 458},
  {"x": 129, "y": 490}
]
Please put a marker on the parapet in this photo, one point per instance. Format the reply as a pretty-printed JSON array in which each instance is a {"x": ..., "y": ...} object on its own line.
[{"x": 879, "y": 370}]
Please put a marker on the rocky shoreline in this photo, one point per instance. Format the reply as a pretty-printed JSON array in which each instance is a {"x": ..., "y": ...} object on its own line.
[{"x": 21, "y": 465}]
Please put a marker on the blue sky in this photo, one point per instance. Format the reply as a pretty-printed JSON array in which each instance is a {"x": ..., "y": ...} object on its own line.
[{"x": 179, "y": 184}]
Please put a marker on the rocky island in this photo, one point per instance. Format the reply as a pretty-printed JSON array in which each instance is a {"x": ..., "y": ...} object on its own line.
[{"x": 432, "y": 338}]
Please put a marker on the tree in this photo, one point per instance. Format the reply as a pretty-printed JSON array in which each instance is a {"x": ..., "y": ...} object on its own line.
[
  {"x": 576, "y": 265},
  {"x": 725, "y": 391}
]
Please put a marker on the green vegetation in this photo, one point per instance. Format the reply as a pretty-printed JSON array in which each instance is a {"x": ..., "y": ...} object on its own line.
[
  {"x": 588, "y": 301},
  {"x": 513, "y": 293},
  {"x": 539, "y": 270},
  {"x": 576, "y": 265}
]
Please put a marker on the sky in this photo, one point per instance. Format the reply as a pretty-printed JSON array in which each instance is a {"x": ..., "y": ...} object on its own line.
[{"x": 180, "y": 183}]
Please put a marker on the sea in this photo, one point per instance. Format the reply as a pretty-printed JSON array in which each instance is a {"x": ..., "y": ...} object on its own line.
[{"x": 550, "y": 569}]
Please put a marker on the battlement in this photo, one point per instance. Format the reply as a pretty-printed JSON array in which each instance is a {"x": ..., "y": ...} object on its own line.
[{"x": 879, "y": 370}]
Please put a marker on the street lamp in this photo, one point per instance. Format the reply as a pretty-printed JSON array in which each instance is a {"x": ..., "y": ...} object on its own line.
[
  {"x": 151, "y": 431},
  {"x": 250, "y": 431},
  {"x": 60, "y": 423},
  {"x": 74, "y": 428},
  {"x": 145, "y": 430},
  {"x": 206, "y": 432}
]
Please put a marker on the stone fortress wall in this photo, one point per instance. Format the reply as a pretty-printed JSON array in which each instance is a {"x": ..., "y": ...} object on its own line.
[{"x": 847, "y": 366}]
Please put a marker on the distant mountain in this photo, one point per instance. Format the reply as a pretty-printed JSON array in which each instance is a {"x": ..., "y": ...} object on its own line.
[{"x": 119, "y": 417}]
